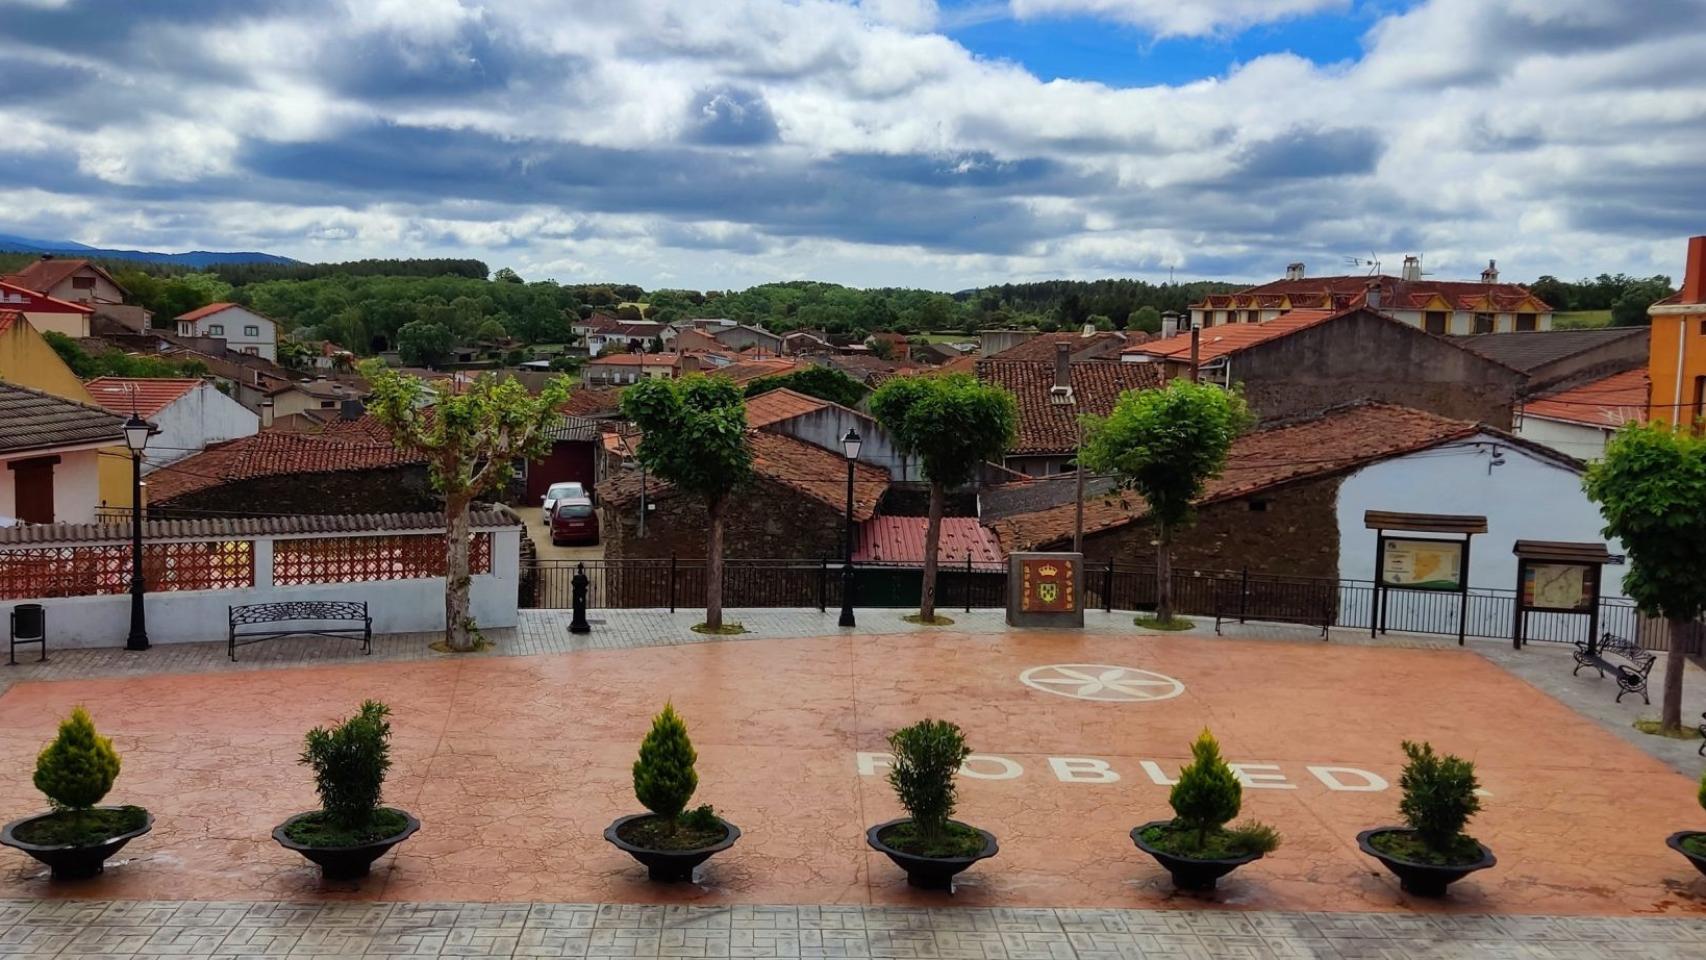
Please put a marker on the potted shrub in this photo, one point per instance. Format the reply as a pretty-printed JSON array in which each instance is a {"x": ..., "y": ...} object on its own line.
[
  {"x": 351, "y": 829},
  {"x": 928, "y": 844},
  {"x": 1195, "y": 846},
  {"x": 671, "y": 840},
  {"x": 1692, "y": 843},
  {"x": 1432, "y": 851},
  {"x": 76, "y": 837}
]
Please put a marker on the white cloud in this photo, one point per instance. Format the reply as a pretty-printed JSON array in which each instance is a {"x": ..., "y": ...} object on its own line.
[{"x": 1178, "y": 17}]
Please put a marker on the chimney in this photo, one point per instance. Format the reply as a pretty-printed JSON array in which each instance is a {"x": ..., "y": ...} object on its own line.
[
  {"x": 351, "y": 409},
  {"x": 1491, "y": 274},
  {"x": 1371, "y": 298},
  {"x": 1169, "y": 325},
  {"x": 266, "y": 414},
  {"x": 1694, "y": 272},
  {"x": 1063, "y": 366},
  {"x": 1412, "y": 268},
  {"x": 1294, "y": 271}
]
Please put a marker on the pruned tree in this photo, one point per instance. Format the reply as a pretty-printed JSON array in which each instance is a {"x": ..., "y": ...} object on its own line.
[
  {"x": 952, "y": 424},
  {"x": 470, "y": 441},
  {"x": 1651, "y": 490},
  {"x": 693, "y": 435},
  {"x": 1166, "y": 444}
]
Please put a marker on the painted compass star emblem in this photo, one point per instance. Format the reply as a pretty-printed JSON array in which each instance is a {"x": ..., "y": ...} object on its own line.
[{"x": 1100, "y": 681}]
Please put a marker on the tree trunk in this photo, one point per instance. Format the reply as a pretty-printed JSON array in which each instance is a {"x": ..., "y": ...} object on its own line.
[
  {"x": 456, "y": 633},
  {"x": 1670, "y": 715},
  {"x": 1164, "y": 574},
  {"x": 932, "y": 538},
  {"x": 714, "y": 567}
]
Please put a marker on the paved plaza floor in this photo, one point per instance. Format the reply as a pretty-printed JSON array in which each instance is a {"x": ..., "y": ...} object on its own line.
[{"x": 516, "y": 763}]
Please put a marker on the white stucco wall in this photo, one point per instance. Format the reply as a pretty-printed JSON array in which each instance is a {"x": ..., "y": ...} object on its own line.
[
  {"x": 76, "y": 486},
  {"x": 1525, "y": 498},
  {"x": 1576, "y": 439},
  {"x": 202, "y": 416},
  {"x": 233, "y": 320},
  {"x": 200, "y": 616},
  {"x": 827, "y": 426}
]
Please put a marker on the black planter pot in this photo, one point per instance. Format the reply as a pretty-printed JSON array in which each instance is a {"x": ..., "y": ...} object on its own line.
[
  {"x": 1423, "y": 879},
  {"x": 669, "y": 866},
  {"x": 1674, "y": 841},
  {"x": 930, "y": 873},
  {"x": 1188, "y": 873},
  {"x": 72, "y": 862},
  {"x": 345, "y": 863}
]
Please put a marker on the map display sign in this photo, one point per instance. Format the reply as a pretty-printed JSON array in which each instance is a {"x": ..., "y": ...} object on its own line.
[
  {"x": 1417, "y": 564},
  {"x": 1563, "y": 587}
]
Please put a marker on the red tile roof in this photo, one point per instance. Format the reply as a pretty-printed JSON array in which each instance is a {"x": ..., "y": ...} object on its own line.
[
  {"x": 1046, "y": 428},
  {"x": 1225, "y": 339},
  {"x": 900, "y": 541},
  {"x": 635, "y": 360},
  {"x": 1609, "y": 402},
  {"x": 207, "y": 311},
  {"x": 774, "y": 406},
  {"x": 47, "y": 273},
  {"x": 1043, "y": 345},
  {"x": 587, "y": 401},
  {"x": 745, "y": 371},
  {"x": 1338, "y": 440},
  {"x": 1335, "y": 293},
  {"x": 344, "y": 445},
  {"x": 147, "y": 397},
  {"x": 806, "y": 468},
  {"x": 38, "y": 302}
]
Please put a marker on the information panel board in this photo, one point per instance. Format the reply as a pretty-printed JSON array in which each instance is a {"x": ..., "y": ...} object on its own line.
[{"x": 1421, "y": 563}]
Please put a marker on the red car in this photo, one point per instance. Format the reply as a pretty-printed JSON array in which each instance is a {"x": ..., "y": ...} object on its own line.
[{"x": 574, "y": 521}]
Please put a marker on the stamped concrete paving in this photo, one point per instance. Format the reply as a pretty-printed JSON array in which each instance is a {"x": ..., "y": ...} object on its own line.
[
  {"x": 239, "y": 929},
  {"x": 516, "y": 764}
]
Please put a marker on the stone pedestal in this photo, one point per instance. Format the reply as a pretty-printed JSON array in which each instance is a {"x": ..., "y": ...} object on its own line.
[{"x": 1045, "y": 590}]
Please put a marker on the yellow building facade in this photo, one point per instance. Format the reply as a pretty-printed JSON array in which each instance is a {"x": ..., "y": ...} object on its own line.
[
  {"x": 1678, "y": 347},
  {"x": 26, "y": 359}
]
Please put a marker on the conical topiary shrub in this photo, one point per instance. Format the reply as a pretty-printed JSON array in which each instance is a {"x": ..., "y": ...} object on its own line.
[
  {"x": 76, "y": 771},
  {"x": 78, "y": 768},
  {"x": 1196, "y": 846},
  {"x": 672, "y": 840},
  {"x": 1431, "y": 851},
  {"x": 664, "y": 778},
  {"x": 1208, "y": 793}
]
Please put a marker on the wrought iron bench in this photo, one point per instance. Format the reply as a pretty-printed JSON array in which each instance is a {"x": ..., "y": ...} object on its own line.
[
  {"x": 1631, "y": 676},
  {"x": 1702, "y": 728},
  {"x": 258, "y": 622}
]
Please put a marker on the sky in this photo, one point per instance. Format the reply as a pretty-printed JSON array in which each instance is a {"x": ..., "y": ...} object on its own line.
[{"x": 934, "y": 143}]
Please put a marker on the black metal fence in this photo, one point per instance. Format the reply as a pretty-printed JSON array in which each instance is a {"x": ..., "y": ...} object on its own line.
[{"x": 1225, "y": 595}]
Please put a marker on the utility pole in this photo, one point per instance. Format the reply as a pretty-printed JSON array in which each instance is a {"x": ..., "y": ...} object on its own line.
[{"x": 1196, "y": 347}]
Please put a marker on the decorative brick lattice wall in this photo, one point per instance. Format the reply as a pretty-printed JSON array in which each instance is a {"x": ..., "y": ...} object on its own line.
[
  {"x": 353, "y": 559},
  {"x": 105, "y": 569}
]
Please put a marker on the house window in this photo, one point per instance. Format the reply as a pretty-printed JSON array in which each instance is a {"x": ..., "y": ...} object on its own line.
[
  {"x": 82, "y": 283},
  {"x": 328, "y": 404},
  {"x": 252, "y": 351},
  {"x": 251, "y": 331},
  {"x": 32, "y": 485},
  {"x": 216, "y": 329},
  {"x": 1483, "y": 323},
  {"x": 1435, "y": 321},
  {"x": 1258, "y": 506},
  {"x": 1526, "y": 322}
]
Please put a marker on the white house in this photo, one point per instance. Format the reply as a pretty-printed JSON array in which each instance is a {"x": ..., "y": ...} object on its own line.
[
  {"x": 1580, "y": 420},
  {"x": 50, "y": 451},
  {"x": 190, "y": 414},
  {"x": 243, "y": 330}
]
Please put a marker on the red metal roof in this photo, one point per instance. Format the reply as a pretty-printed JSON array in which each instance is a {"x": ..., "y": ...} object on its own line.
[
  {"x": 1229, "y": 338},
  {"x": 146, "y": 397},
  {"x": 900, "y": 541},
  {"x": 1610, "y": 402},
  {"x": 39, "y": 302}
]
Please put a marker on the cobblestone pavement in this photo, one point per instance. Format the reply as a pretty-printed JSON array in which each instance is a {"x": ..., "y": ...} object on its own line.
[{"x": 74, "y": 929}]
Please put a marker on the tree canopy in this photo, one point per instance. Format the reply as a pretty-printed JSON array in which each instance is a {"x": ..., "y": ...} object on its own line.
[
  {"x": 825, "y": 383},
  {"x": 1166, "y": 444},
  {"x": 694, "y": 432}
]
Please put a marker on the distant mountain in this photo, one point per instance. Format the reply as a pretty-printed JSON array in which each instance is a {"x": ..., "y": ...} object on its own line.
[{"x": 195, "y": 258}]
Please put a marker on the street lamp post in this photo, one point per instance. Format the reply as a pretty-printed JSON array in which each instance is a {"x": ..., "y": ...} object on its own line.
[
  {"x": 850, "y": 446},
  {"x": 136, "y": 431}
]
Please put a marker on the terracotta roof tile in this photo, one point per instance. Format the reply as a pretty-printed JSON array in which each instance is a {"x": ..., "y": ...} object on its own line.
[
  {"x": 45, "y": 274},
  {"x": 806, "y": 468},
  {"x": 1044, "y": 427},
  {"x": 1338, "y": 440},
  {"x": 1609, "y": 402},
  {"x": 1341, "y": 292},
  {"x": 146, "y": 397},
  {"x": 900, "y": 541},
  {"x": 344, "y": 445},
  {"x": 774, "y": 406},
  {"x": 1043, "y": 345},
  {"x": 586, "y": 402},
  {"x": 1225, "y": 339},
  {"x": 207, "y": 311}
]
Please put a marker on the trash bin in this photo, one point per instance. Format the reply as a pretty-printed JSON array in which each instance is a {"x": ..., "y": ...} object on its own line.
[{"x": 29, "y": 625}]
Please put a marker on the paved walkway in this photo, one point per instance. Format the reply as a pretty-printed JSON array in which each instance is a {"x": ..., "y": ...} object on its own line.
[{"x": 196, "y": 930}]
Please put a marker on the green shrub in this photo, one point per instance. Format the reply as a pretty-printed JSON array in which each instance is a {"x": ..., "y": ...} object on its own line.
[
  {"x": 1439, "y": 795},
  {"x": 664, "y": 779},
  {"x": 1208, "y": 793},
  {"x": 927, "y": 757},
  {"x": 1253, "y": 837},
  {"x": 78, "y": 768},
  {"x": 1701, "y": 796},
  {"x": 350, "y": 761}
]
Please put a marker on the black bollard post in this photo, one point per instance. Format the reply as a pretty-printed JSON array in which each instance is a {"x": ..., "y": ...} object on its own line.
[{"x": 580, "y": 583}]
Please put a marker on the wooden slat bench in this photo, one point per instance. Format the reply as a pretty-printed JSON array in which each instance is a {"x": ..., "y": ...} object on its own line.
[{"x": 258, "y": 622}]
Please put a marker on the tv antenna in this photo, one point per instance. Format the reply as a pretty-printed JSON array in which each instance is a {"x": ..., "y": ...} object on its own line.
[{"x": 1372, "y": 262}]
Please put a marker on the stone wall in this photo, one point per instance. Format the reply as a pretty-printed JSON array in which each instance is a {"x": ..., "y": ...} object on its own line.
[
  {"x": 389, "y": 490},
  {"x": 764, "y": 521}
]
